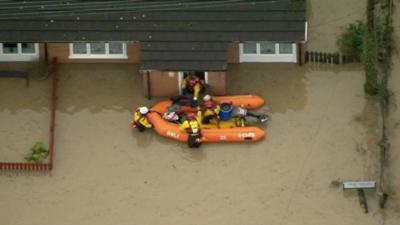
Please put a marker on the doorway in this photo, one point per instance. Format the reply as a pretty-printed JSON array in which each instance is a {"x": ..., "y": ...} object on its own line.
[{"x": 202, "y": 75}]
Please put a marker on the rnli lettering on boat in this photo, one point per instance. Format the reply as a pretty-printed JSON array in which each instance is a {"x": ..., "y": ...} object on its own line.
[
  {"x": 173, "y": 134},
  {"x": 247, "y": 135},
  {"x": 223, "y": 137}
]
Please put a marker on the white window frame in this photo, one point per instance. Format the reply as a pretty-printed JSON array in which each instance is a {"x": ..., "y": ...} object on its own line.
[
  {"x": 107, "y": 55},
  {"x": 180, "y": 78},
  {"x": 277, "y": 57},
  {"x": 19, "y": 56}
]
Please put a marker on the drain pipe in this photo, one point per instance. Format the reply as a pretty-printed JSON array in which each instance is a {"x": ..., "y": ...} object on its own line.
[
  {"x": 148, "y": 85},
  {"x": 46, "y": 53}
]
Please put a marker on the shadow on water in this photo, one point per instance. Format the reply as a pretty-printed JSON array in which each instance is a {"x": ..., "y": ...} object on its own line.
[
  {"x": 150, "y": 139},
  {"x": 143, "y": 139},
  {"x": 192, "y": 155},
  {"x": 96, "y": 87},
  {"x": 284, "y": 86},
  {"x": 16, "y": 95},
  {"x": 368, "y": 118},
  {"x": 189, "y": 154},
  {"x": 350, "y": 67},
  {"x": 281, "y": 85}
]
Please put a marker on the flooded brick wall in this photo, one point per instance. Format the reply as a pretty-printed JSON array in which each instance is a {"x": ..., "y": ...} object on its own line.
[
  {"x": 162, "y": 83},
  {"x": 166, "y": 83},
  {"x": 217, "y": 82},
  {"x": 233, "y": 53}
]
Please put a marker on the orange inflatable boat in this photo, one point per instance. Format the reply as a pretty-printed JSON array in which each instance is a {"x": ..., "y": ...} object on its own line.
[{"x": 226, "y": 133}]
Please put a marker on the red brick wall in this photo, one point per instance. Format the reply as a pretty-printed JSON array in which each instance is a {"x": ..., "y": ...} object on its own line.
[
  {"x": 162, "y": 83},
  {"x": 217, "y": 82},
  {"x": 166, "y": 84},
  {"x": 41, "y": 52},
  {"x": 233, "y": 52}
]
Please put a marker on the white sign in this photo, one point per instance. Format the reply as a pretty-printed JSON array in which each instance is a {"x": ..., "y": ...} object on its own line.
[{"x": 358, "y": 184}]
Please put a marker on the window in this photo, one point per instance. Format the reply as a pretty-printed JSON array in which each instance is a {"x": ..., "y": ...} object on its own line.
[
  {"x": 79, "y": 48},
  {"x": 285, "y": 48},
  {"x": 250, "y": 48},
  {"x": 115, "y": 48},
  {"x": 98, "y": 50},
  {"x": 267, "y": 52},
  {"x": 267, "y": 48},
  {"x": 12, "y": 51},
  {"x": 18, "y": 48},
  {"x": 28, "y": 48},
  {"x": 10, "y": 48}
]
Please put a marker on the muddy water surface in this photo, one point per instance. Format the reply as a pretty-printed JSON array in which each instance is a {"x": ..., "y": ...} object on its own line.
[
  {"x": 106, "y": 173},
  {"x": 24, "y": 113},
  {"x": 326, "y": 20}
]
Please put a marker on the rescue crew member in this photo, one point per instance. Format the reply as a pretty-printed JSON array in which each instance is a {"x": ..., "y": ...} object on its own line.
[
  {"x": 140, "y": 120},
  {"x": 192, "y": 85},
  {"x": 210, "y": 110},
  {"x": 191, "y": 125}
]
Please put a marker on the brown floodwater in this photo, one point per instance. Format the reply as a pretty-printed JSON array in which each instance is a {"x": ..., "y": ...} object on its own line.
[
  {"x": 24, "y": 113},
  {"x": 327, "y": 19},
  {"x": 322, "y": 129},
  {"x": 106, "y": 173}
]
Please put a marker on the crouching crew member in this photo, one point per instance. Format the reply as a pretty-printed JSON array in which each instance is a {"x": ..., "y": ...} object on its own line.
[
  {"x": 140, "y": 120},
  {"x": 210, "y": 110}
]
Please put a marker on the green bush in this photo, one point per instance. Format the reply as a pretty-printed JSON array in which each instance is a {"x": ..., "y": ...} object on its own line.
[
  {"x": 370, "y": 60},
  {"x": 383, "y": 93},
  {"x": 350, "y": 42},
  {"x": 38, "y": 153}
]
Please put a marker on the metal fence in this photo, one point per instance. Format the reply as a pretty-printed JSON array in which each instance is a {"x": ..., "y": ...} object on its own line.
[{"x": 330, "y": 58}]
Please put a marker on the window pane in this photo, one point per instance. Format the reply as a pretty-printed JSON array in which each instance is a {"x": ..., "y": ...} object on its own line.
[
  {"x": 250, "y": 48},
  {"x": 267, "y": 48},
  {"x": 10, "y": 48},
  {"x": 115, "y": 48},
  {"x": 98, "y": 48},
  {"x": 285, "y": 48},
  {"x": 79, "y": 48},
  {"x": 28, "y": 48}
]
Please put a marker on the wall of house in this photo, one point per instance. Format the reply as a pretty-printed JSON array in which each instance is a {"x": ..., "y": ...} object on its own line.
[
  {"x": 233, "y": 52},
  {"x": 217, "y": 83},
  {"x": 166, "y": 83},
  {"x": 61, "y": 51},
  {"x": 42, "y": 53},
  {"x": 162, "y": 83}
]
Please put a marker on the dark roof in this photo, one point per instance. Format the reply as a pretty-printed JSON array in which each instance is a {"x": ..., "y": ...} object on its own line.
[
  {"x": 183, "y": 36},
  {"x": 184, "y": 55}
]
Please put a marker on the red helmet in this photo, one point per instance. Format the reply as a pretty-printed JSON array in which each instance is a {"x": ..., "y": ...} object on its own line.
[
  {"x": 192, "y": 80},
  {"x": 191, "y": 116},
  {"x": 209, "y": 104}
]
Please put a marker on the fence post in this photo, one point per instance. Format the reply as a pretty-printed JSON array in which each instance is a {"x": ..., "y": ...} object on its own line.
[{"x": 311, "y": 56}]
